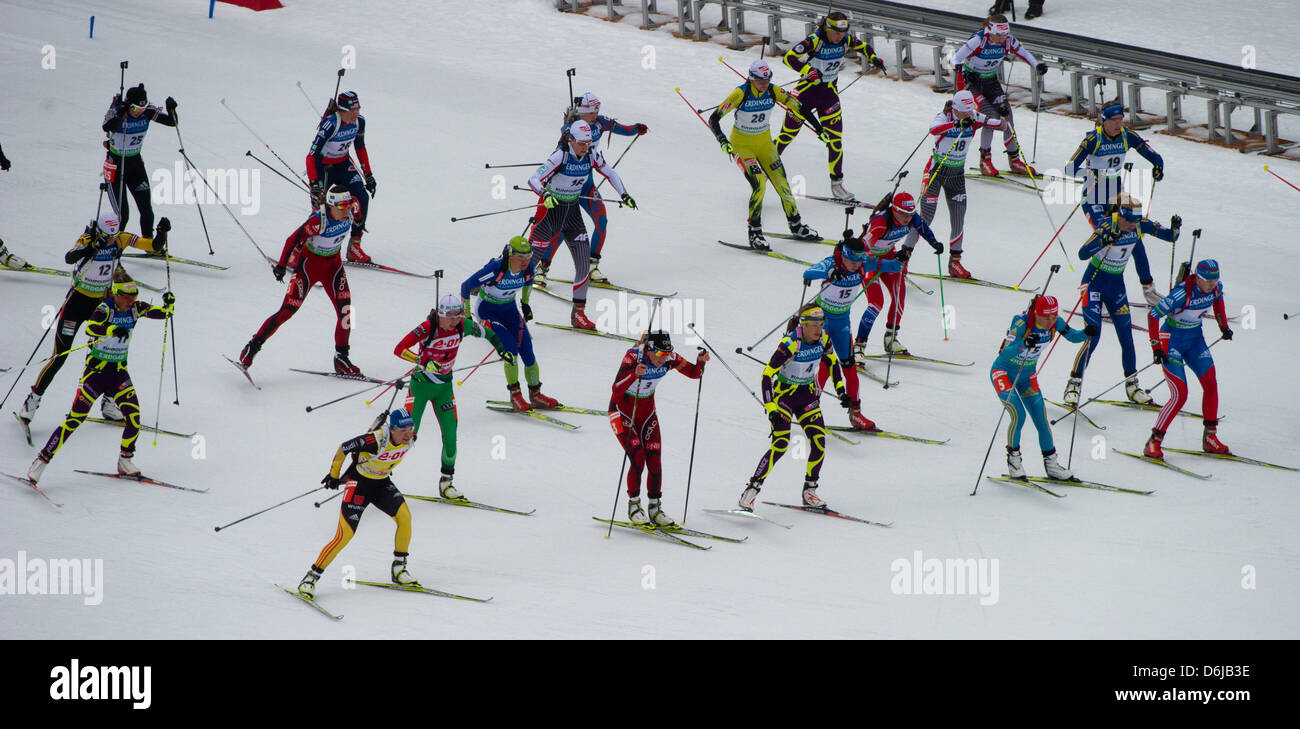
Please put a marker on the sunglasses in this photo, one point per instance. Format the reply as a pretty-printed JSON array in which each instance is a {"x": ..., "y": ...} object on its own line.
[{"x": 660, "y": 352}]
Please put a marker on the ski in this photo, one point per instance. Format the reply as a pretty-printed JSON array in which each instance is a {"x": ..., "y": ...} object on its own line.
[
  {"x": 468, "y": 503},
  {"x": 386, "y": 269},
  {"x": 748, "y": 515},
  {"x": 310, "y": 601},
  {"x": 1026, "y": 483},
  {"x": 841, "y": 201},
  {"x": 1232, "y": 457},
  {"x": 66, "y": 274},
  {"x": 173, "y": 259},
  {"x": 1166, "y": 464},
  {"x": 149, "y": 428},
  {"x": 863, "y": 369},
  {"x": 244, "y": 370},
  {"x": 977, "y": 282},
  {"x": 915, "y": 359},
  {"x": 31, "y": 485},
  {"x": 653, "y": 531},
  {"x": 27, "y": 428},
  {"x": 999, "y": 178},
  {"x": 886, "y": 434},
  {"x": 142, "y": 479},
  {"x": 682, "y": 531},
  {"x": 1153, "y": 408},
  {"x": 787, "y": 236},
  {"x": 1076, "y": 411},
  {"x": 546, "y": 290},
  {"x": 420, "y": 588},
  {"x": 919, "y": 287},
  {"x": 535, "y": 414},
  {"x": 354, "y": 378},
  {"x": 594, "y": 333},
  {"x": 615, "y": 287},
  {"x": 771, "y": 253},
  {"x": 828, "y": 512},
  {"x": 561, "y": 408},
  {"x": 1089, "y": 485}
]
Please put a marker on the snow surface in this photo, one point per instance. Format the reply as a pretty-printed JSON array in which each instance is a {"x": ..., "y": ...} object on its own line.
[{"x": 442, "y": 99}]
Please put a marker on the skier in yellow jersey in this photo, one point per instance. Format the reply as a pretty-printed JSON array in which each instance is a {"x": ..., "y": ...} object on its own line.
[
  {"x": 751, "y": 143},
  {"x": 375, "y": 455}
]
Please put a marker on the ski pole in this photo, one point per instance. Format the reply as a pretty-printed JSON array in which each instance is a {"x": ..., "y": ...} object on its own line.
[
  {"x": 795, "y": 114},
  {"x": 1020, "y": 152},
  {"x": 690, "y": 468},
  {"x": 473, "y": 369},
  {"x": 1283, "y": 179},
  {"x": 281, "y": 175},
  {"x": 317, "y": 504},
  {"x": 488, "y": 166},
  {"x": 620, "y": 159},
  {"x": 264, "y": 144},
  {"x": 33, "y": 354},
  {"x": 1049, "y": 244},
  {"x": 579, "y": 197},
  {"x": 358, "y": 392},
  {"x": 498, "y": 212},
  {"x": 714, "y": 352},
  {"x": 225, "y": 206},
  {"x": 197, "y": 206},
  {"x": 263, "y": 511},
  {"x": 909, "y": 157},
  {"x": 1284, "y": 316},
  {"x": 703, "y": 121},
  {"x": 618, "y": 413},
  {"x": 1005, "y": 404},
  {"x": 308, "y": 98},
  {"x": 395, "y": 386},
  {"x": 943, "y": 308},
  {"x": 162, "y": 366}
]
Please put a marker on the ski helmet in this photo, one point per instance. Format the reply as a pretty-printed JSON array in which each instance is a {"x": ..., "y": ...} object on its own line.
[
  {"x": 963, "y": 101},
  {"x": 519, "y": 246},
  {"x": 1046, "y": 306},
  {"x": 348, "y": 101},
  {"x": 1208, "y": 269},
  {"x": 588, "y": 104},
  {"x": 760, "y": 70},
  {"x": 108, "y": 224},
  {"x": 580, "y": 131},
  {"x": 451, "y": 306},
  {"x": 904, "y": 203},
  {"x": 399, "y": 418},
  {"x": 659, "y": 342},
  {"x": 135, "y": 96},
  {"x": 338, "y": 196}
]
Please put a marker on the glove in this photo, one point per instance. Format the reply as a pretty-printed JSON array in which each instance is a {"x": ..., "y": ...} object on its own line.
[
  {"x": 1041, "y": 68},
  {"x": 507, "y": 357},
  {"x": 171, "y": 105},
  {"x": 164, "y": 225},
  {"x": 433, "y": 368},
  {"x": 1031, "y": 338},
  {"x": 726, "y": 146},
  {"x": 1004, "y": 109},
  {"x": 1158, "y": 173},
  {"x": 331, "y": 482},
  {"x": 317, "y": 192},
  {"x": 846, "y": 402},
  {"x": 1226, "y": 332},
  {"x": 1091, "y": 330},
  {"x": 937, "y": 247},
  {"x": 904, "y": 254},
  {"x": 528, "y": 312},
  {"x": 1109, "y": 236},
  {"x": 641, "y": 129},
  {"x": 837, "y": 274},
  {"x": 878, "y": 64},
  {"x": 1176, "y": 222},
  {"x": 1149, "y": 293},
  {"x": 966, "y": 123},
  {"x": 774, "y": 416},
  {"x": 278, "y": 271},
  {"x": 116, "y": 331},
  {"x": 370, "y": 183},
  {"x": 628, "y": 201},
  {"x": 4, "y": 163},
  {"x": 169, "y": 299},
  {"x": 549, "y": 201},
  {"x": 1158, "y": 352},
  {"x": 813, "y": 76}
]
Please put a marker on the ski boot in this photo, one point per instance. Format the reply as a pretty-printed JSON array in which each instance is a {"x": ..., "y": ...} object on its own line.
[
  {"x": 1017, "y": 166},
  {"x": 635, "y": 513},
  {"x": 1015, "y": 466},
  {"x": 839, "y": 193},
  {"x": 355, "y": 254},
  {"x": 446, "y": 490},
  {"x": 307, "y": 587},
  {"x": 657, "y": 515},
  {"x": 250, "y": 351},
  {"x": 748, "y": 496},
  {"x": 37, "y": 468},
  {"x": 540, "y": 401},
  {"x": 1135, "y": 392},
  {"x": 539, "y": 274},
  {"x": 891, "y": 343},
  {"x": 955, "y": 269},
  {"x": 343, "y": 365},
  {"x": 858, "y": 420},
  {"x": 800, "y": 229},
  {"x": 810, "y": 497},
  {"x": 1035, "y": 9},
  {"x": 1152, "y": 449},
  {"x": 1054, "y": 468},
  {"x": 756, "y": 239},
  {"x": 859, "y": 348},
  {"x": 517, "y": 400},
  {"x": 578, "y": 317},
  {"x": 1072, "y": 391},
  {"x": 109, "y": 409},
  {"x": 28, "y": 411},
  {"x": 10, "y": 260},
  {"x": 986, "y": 164},
  {"x": 399, "y": 574},
  {"x": 593, "y": 273},
  {"x": 124, "y": 465},
  {"x": 1210, "y": 442}
]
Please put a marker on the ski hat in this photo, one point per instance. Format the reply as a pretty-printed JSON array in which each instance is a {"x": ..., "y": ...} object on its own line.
[
  {"x": 963, "y": 101},
  {"x": 760, "y": 70},
  {"x": 837, "y": 22},
  {"x": 580, "y": 131},
  {"x": 904, "y": 203},
  {"x": 451, "y": 306},
  {"x": 1110, "y": 111},
  {"x": 348, "y": 101},
  {"x": 1208, "y": 269},
  {"x": 588, "y": 104},
  {"x": 136, "y": 96},
  {"x": 659, "y": 342},
  {"x": 519, "y": 246},
  {"x": 108, "y": 223},
  {"x": 126, "y": 288},
  {"x": 996, "y": 28},
  {"x": 812, "y": 313},
  {"x": 1129, "y": 207},
  {"x": 1046, "y": 306},
  {"x": 854, "y": 249},
  {"x": 399, "y": 418},
  {"x": 338, "y": 196}
]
